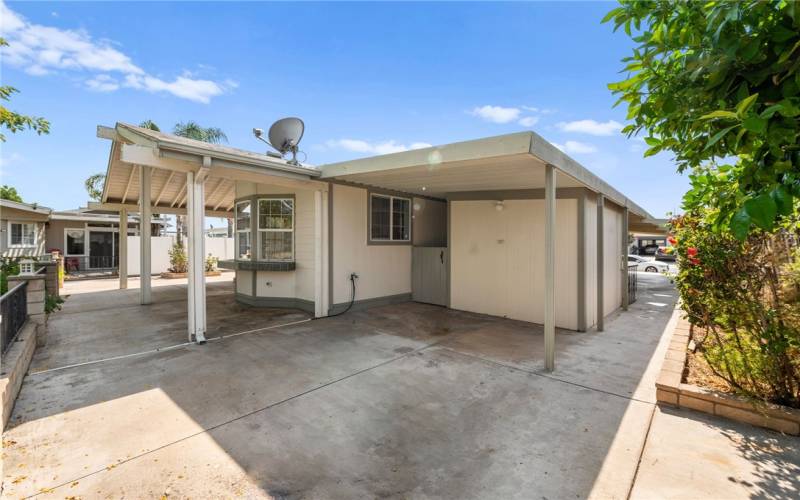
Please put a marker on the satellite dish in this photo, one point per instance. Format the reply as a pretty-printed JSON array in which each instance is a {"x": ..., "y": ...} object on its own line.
[{"x": 285, "y": 135}]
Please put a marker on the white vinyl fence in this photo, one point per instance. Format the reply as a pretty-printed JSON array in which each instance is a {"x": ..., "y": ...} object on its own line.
[{"x": 221, "y": 248}]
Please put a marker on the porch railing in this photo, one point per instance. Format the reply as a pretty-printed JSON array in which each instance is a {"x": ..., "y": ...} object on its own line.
[
  {"x": 80, "y": 264},
  {"x": 13, "y": 313},
  {"x": 632, "y": 283}
]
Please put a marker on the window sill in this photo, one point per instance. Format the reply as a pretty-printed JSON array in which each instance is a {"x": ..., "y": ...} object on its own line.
[{"x": 256, "y": 265}]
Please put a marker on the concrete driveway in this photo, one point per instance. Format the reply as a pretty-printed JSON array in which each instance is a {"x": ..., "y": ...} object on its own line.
[{"x": 401, "y": 401}]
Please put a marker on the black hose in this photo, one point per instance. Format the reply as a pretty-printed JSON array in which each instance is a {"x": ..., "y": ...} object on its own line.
[{"x": 353, "y": 277}]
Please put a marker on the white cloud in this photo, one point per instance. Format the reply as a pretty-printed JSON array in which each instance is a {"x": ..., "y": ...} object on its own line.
[
  {"x": 496, "y": 114},
  {"x": 378, "y": 148},
  {"x": 102, "y": 83},
  {"x": 591, "y": 127},
  {"x": 40, "y": 50},
  {"x": 575, "y": 147},
  {"x": 529, "y": 121}
]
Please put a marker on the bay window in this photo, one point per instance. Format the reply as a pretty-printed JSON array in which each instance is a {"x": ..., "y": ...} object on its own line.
[
  {"x": 243, "y": 230},
  {"x": 276, "y": 229}
]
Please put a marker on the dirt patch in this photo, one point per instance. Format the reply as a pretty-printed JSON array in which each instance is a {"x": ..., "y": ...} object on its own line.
[{"x": 699, "y": 373}]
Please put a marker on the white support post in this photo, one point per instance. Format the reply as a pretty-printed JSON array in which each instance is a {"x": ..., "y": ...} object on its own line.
[
  {"x": 122, "y": 251},
  {"x": 144, "y": 235},
  {"x": 550, "y": 271},
  {"x": 195, "y": 207},
  {"x": 623, "y": 259},
  {"x": 319, "y": 309}
]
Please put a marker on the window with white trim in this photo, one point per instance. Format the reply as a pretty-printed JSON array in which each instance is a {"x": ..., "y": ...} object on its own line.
[
  {"x": 243, "y": 230},
  {"x": 21, "y": 234},
  {"x": 76, "y": 241},
  {"x": 276, "y": 229},
  {"x": 390, "y": 218}
]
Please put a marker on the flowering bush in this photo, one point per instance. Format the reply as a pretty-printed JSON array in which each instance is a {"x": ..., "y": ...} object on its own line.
[
  {"x": 178, "y": 261},
  {"x": 741, "y": 298}
]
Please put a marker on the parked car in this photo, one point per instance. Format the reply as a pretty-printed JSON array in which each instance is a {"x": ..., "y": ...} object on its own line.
[
  {"x": 667, "y": 254},
  {"x": 649, "y": 266}
]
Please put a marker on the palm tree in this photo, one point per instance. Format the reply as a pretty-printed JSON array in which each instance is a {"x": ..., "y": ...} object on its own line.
[
  {"x": 150, "y": 124},
  {"x": 192, "y": 130}
]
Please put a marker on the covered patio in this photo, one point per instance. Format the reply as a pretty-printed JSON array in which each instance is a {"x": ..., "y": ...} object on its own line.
[{"x": 152, "y": 172}]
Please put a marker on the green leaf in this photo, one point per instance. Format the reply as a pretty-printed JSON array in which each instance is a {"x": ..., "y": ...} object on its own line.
[
  {"x": 762, "y": 211},
  {"x": 767, "y": 113},
  {"x": 740, "y": 224},
  {"x": 719, "y": 135},
  {"x": 755, "y": 124},
  {"x": 652, "y": 141},
  {"x": 730, "y": 115},
  {"x": 783, "y": 200},
  {"x": 745, "y": 104}
]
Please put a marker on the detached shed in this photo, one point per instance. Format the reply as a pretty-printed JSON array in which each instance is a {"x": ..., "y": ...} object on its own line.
[{"x": 507, "y": 226}]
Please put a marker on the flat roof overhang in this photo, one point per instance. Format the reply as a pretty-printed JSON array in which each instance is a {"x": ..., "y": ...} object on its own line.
[
  {"x": 171, "y": 157},
  {"x": 491, "y": 165}
]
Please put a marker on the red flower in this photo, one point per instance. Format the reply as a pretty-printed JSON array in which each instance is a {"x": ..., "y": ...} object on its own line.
[
  {"x": 691, "y": 252},
  {"x": 672, "y": 241}
]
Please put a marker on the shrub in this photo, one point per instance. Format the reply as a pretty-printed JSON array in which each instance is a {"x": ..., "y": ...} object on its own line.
[
  {"x": 211, "y": 263},
  {"x": 177, "y": 259},
  {"x": 741, "y": 298},
  {"x": 52, "y": 303}
]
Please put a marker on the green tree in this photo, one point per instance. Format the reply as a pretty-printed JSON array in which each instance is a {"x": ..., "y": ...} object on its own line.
[
  {"x": 150, "y": 124},
  {"x": 717, "y": 84},
  {"x": 94, "y": 186},
  {"x": 15, "y": 122},
  {"x": 194, "y": 131},
  {"x": 9, "y": 193}
]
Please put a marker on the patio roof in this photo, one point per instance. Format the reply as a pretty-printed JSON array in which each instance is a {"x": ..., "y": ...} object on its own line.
[
  {"x": 492, "y": 165},
  {"x": 171, "y": 157}
]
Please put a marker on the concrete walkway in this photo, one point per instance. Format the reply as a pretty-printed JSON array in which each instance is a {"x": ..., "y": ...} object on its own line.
[{"x": 402, "y": 401}]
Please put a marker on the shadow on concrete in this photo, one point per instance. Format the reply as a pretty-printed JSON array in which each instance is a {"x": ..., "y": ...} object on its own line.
[{"x": 396, "y": 401}]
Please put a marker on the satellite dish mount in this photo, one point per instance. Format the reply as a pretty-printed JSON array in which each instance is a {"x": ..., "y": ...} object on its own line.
[{"x": 284, "y": 136}]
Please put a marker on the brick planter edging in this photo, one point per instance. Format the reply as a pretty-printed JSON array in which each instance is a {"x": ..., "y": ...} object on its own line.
[{"x": 670, "y": 390}]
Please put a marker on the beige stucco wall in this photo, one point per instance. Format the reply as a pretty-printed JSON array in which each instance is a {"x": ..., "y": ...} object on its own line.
[
  {"x": 55, "y": 233},
  {"x": 612, "y": 239},
  {"x": 383, "y": 270},
  {"x": 497, "y": 259},
  {"x": 13, "y": 215}
]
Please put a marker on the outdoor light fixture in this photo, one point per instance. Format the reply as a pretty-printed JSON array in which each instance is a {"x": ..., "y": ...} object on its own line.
[{"x": 499, "y": 206}]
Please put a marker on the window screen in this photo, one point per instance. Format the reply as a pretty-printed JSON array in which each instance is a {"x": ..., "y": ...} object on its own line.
[
  {"x": 390, "y": 218},
  {"x": 276, "y": 229}
]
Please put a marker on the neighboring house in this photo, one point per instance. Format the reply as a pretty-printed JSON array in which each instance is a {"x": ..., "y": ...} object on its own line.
[
  {"x": 89, "y": 241},
  {"x": 508, "y": 226},
  {"x": 22, "y": 228},
  {"x": 217, "y": 232}
]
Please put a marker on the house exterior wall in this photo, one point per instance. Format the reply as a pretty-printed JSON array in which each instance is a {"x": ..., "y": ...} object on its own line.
[
  {"x": 383, "y": 270},
  {"x": 590, "y": 239},
  {"x": 55, "y": 233},
  {"x": 14, "y": 215},
  {"x": 612, "y": 251},
  {"x": 497, "y": 259}
]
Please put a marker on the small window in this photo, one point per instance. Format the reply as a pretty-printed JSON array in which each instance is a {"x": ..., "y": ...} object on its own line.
[
  {"x": 22, "y": 234},
  {"x": 75, "y": 241},
  {"x": 390, "y": 218},
  {"x": 276, "y": 229},
  {"x": 243, "y": 230}
]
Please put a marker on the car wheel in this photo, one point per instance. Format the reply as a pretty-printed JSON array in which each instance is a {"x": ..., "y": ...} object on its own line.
[{"x": 651, "y": 269}]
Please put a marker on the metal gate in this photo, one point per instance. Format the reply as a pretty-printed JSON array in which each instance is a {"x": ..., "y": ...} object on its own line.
[{"x": 632, "y": 283}]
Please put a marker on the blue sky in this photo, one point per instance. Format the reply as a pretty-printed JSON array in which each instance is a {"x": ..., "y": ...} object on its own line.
[{"x": 366, "y": 78}]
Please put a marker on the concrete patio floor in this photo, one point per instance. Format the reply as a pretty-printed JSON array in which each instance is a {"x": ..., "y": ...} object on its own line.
[{"x": 399, "y": 401}]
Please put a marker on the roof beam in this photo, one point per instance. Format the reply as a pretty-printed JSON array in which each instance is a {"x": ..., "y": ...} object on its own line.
[
  {"x": 164, "y": 187},
  {"x": 178, "y": 196},
  {"x": 143, "y": 155},
  {"x": 131, "y": 207},
  {"x": 224, "y": 195},
  {"x": 134, "y": 168}
]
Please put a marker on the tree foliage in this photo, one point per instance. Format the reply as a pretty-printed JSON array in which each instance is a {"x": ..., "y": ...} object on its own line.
[
  {"x": 15, "y": 122},
  {"x": 150, "y": 124},
  {"x": 9, "y": 193},
  {"x": 94, "y": 186},
  {"x": 192, "y": 130},
  {"x": 717, "y": 84}
]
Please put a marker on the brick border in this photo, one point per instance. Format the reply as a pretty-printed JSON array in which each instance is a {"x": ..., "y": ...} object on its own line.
[{"x": 671, "y": 391}]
